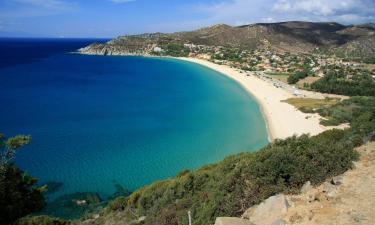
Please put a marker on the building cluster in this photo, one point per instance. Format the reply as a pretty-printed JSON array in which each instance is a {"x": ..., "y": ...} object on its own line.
[{"x": 270, "y": 61}]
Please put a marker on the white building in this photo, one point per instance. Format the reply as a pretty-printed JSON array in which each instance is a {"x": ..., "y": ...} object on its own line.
[{"x": 158, "y": 49}]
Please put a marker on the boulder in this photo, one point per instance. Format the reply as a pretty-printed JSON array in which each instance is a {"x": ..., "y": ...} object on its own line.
[
  {"x": 337, "y": 180},
  {"x": 232, "y": 221},
  {"x": 268, "y": 211},
  {"x": 278, "y": 222},
  {"x": 306, "y": 187},
  {"x": 141, "y": 219},
  {"x": 329, "y": 189}
]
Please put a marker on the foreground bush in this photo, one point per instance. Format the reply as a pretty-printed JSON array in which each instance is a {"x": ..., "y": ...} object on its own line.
[
  {"x": 40, "y": 220},
  {"x": 18, "y": 194}
]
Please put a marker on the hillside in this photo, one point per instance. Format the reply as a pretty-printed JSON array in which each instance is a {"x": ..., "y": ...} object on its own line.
[
  {"x": 344, "y": 199},
  {"x": 291, "y": 36}
]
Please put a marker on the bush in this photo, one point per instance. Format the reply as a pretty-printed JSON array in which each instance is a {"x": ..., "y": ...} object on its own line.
[
  {"x": 177, "y": 50},
  {"x": 294, "y": 78},
  {"x": 306, "y": 109},
  {"x": 40, "y": 220},
  {"x": 335, "y": 82},
  {"x": 117, "y": 204},
  {"x": 358, "y": 111},
  {"x": 18, "y": 196}
]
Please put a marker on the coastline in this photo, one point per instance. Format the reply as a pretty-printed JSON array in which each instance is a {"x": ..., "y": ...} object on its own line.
[{"x": 282, "y": 119}]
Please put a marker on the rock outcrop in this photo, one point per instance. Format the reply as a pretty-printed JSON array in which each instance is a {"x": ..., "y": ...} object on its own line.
[
  {"x": 267, "y": 212},
  {"x": 232, "y": 221}
]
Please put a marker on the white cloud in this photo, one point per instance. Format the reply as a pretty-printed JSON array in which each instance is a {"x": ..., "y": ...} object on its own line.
[
  {"x": 316, "y": 7},
  {"x": 345, "y": 11},
  {"x": 240, "y": 12},
  {"x": 235, "y": 12}
]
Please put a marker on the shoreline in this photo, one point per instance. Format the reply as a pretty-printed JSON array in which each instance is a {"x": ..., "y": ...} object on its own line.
[{"x": 282, "y": 119}]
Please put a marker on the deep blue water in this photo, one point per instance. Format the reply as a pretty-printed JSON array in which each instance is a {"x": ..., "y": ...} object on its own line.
[{"x": 101, "y": 120}]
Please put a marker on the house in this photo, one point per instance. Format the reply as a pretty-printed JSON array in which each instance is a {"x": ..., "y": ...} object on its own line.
[{"x": 157, "y": 49}]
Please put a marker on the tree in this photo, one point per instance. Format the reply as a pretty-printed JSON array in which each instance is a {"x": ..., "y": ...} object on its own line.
[
  {"x": 335, "y": 82},
  {"x": 9, "y": 147},
  {"x": 18, "y": 194}
]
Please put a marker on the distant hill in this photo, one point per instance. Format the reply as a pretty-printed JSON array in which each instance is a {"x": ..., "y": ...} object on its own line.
[{"x": 293, "y": 36}]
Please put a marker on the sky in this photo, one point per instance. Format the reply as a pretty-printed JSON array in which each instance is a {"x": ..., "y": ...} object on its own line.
[{"x": 111, "y": 18}]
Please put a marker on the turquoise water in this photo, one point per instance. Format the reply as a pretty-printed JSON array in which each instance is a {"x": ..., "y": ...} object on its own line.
[{"x": 98, "y": 121}]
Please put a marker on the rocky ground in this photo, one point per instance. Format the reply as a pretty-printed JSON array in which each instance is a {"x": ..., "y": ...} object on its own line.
[{"x": 346, "y": 199}]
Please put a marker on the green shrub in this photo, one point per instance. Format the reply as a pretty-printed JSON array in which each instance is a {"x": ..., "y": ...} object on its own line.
[
  {"x": 306, "y": 109},
  {"x": 294, "y": 78},
  {"x": 40, "y": 220},
  {"x": 18, "y": 196},
  {"x": 117, "y": 204},
  {"x": 177, "y": 50},
  {"x": 335, "y": 82},
  {"x": 358, "y": 111}
]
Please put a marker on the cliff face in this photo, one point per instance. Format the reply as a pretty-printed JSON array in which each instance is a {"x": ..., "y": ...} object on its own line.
[
  {"x": 116, "y": 49},
  {"x": 287, "y": 36}
]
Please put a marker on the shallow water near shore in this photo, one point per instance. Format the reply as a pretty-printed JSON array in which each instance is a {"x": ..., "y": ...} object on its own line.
[{"x": 99, "y": 122}]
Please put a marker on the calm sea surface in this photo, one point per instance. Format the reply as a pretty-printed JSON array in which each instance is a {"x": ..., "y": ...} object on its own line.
[{"x": 102, "y": 121}]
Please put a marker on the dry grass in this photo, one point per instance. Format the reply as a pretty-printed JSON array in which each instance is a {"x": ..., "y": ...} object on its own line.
[
  {"x": 282, "y": 78},
  {"x": 308, "y": 80},
  {"x": 370, "y": 66},
  {"x": 310, "y": 104}
]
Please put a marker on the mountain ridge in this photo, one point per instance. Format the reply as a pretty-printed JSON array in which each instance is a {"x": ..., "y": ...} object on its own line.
[{"x": 290, "y": 36}]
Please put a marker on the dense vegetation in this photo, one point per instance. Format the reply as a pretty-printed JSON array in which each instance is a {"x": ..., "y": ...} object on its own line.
[
  {"x": 335, "y": 82},
  {"x": 176, "y": 50},
  {"x": 18, "y": 194},
  {"x": 41, "y": 220},
  {"x": 294, "y": 78},
  {"x": 358, "y": 111}
]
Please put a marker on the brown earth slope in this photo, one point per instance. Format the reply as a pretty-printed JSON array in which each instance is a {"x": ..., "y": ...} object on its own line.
[{"x": 294, "y": 36}]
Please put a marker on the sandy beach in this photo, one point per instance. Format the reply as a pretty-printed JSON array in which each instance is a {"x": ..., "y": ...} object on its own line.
[{"x": 282, "y": 119}]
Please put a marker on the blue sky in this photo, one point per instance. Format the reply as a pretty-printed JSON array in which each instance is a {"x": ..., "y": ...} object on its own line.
[{"x": 110, "y": 18}]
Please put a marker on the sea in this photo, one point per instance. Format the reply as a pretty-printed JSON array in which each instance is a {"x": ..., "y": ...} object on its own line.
[{"x": 110, "y": 124}]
